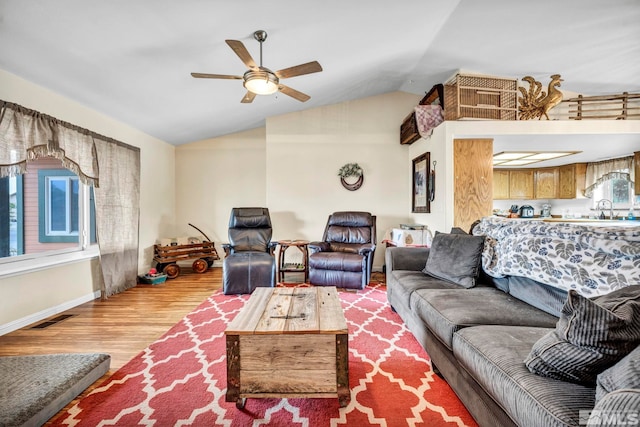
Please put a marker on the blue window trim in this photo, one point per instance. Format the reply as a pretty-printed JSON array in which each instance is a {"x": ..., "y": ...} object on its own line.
[{"x": 42, "y": 233}]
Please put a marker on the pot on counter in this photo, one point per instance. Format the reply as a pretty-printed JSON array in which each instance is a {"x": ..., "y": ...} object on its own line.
[{"x": 526, "y": 211}]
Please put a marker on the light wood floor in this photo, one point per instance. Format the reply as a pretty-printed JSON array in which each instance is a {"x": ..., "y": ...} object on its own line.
[{"x": 121, "y": 326}]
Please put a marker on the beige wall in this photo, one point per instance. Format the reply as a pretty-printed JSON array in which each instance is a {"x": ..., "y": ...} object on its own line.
[
  {"x": 214, "y": 175},
  {"x": 291, "y": 167},
  {"x": 31, "y": 297},
  {"x": 30, "y": 293}
]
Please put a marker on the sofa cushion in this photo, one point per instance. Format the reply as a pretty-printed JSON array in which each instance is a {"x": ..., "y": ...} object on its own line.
[
  {"x": 623, "y": 375},
  {"x": 618, "y": 408},
  {"x": 591, "y": 335},
  {"x": 493, "y": 356},
  {"x": 501, "y": 283},
  {"x": 446, "y": 311},
  {"x": 402, "y": 283},
  {"x": 542, "y": 296},
  {"x": 455, "y": 258}
]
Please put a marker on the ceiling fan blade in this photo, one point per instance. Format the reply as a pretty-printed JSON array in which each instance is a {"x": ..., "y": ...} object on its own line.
[
  {"x": 248, "y": 98},
  {"x": 215, "y": 76},
  {"x": 299, "y": 70},
  {"x": 302, "y": 97},
  {"x": 242, "y": 53}
]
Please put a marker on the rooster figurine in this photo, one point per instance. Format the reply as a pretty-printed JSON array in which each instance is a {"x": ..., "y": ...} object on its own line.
[{"x": 535, "y": 102}]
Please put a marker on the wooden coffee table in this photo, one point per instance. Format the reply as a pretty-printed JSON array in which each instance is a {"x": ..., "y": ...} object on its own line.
[{"x": 288, "y": 342}]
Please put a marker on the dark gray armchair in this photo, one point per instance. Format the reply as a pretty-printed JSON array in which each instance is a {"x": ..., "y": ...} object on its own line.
[
  {"x": 344, "y": 257},
  {"x": 250, "y": 262}
]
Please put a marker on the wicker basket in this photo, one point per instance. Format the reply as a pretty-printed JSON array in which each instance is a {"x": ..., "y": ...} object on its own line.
[{"x": 468, "y": 96}]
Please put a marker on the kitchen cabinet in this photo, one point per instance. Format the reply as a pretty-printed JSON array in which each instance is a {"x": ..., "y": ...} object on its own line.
[
  {"x": 521, "y": 184},
  {"x": 546, "y": 183},
  {"x": 571, "y": 181},
  {"x": 500, "y": 184},
  {"x": 561, "y": 182}
]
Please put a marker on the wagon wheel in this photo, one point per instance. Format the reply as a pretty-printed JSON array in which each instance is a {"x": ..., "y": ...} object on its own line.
[
  {"x": 200, "y": 265},
  {"x": 210, "y": 261},
  {"x": 171, "y": 270}
]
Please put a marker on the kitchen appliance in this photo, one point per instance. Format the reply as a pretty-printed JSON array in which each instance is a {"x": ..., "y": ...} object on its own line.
[
  {"x": 546, "y": 211},
  {"x": 526, "y": 211}
]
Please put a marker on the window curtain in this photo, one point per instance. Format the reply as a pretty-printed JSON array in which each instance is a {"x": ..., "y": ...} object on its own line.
[
  {"x": 117, "y": 215},
  {"x": 599, "y": 172},
  {"x": 110, "y": 166}
]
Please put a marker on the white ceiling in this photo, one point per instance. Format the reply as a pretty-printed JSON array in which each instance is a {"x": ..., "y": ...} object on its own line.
[{"x": 131, "y": 59}]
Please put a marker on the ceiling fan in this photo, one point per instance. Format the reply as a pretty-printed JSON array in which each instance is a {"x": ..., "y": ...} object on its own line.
[{"x": 259, "y": 80}]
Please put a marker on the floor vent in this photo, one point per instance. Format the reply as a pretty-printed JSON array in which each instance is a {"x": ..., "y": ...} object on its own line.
[{"x": 52, "y": 321}]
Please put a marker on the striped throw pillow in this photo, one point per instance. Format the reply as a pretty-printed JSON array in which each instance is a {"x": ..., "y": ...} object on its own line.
[{"x": 591, "y": 335}]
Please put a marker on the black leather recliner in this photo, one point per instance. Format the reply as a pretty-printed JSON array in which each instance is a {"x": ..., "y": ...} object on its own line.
[
  {"x": 345, "y": 256},
  {"x": 250, "y": 262}
]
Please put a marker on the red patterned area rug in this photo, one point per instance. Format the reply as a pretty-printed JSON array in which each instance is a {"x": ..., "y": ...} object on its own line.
[{"x": 181, "y": 378}]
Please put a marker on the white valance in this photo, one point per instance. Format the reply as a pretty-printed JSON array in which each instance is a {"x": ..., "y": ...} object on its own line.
[
  {"x": 599, "y": 172},
  {"x": 27, "y": 135}
]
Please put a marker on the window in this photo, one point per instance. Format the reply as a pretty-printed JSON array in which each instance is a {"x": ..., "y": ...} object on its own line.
[
  {"x": 48, "y": 211},
  {"x": 619, "y": 191},
  {"x": 58, "y": 205}
]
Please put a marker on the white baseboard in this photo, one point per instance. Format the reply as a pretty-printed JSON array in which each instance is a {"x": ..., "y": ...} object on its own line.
[{"x": 51, "y": 311}]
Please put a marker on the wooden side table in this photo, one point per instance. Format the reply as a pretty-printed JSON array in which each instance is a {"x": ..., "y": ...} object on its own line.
[{"x": 284, "y": 267}]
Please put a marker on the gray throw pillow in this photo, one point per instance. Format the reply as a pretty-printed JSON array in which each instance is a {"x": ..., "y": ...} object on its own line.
[
  {"x": 623, "y": 375},
  {"x": 455, "y": 258},
  {"x": 590, "y": 336}
]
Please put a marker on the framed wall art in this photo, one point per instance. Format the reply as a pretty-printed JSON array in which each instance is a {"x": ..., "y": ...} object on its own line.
[{"x": 420, "y": 199}]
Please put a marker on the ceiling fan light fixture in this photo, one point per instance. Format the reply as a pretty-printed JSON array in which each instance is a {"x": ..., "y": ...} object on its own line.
[{"x": 261, "y": 82}]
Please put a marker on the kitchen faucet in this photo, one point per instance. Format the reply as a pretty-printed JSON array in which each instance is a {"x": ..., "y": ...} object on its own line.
[{"x": 602, "y": 205}]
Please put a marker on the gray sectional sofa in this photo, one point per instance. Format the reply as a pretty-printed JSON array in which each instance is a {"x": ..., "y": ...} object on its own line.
[{"x": 507, "y": 344}]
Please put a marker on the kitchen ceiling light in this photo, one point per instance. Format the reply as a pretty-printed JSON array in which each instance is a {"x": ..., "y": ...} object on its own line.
[
  {"x": 520, "y": 158},
  {"x": 508, "y": 155}
]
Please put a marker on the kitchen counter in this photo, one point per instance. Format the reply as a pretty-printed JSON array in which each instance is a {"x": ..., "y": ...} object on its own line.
[
  {"x": 597, "y": 222},
  {"x": 588, "y": 221}
]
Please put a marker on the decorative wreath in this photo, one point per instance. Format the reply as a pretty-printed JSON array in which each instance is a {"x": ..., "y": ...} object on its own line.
[{"x": 349, "y": 170}]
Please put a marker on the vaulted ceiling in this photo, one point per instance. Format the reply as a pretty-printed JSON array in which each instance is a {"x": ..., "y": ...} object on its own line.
[{"x": 132, "y": 60}]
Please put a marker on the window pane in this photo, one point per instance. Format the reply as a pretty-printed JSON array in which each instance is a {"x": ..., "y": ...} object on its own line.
[
  {"x": 74, "y": 206},
  {"x": 620, "y": 191},
  {"x": 58, "y": 205}
]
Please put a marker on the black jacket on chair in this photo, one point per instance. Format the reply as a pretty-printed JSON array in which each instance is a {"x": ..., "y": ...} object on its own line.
[
  {"x": 249, "y": 262},
  {"x": 344, "y": 258}
]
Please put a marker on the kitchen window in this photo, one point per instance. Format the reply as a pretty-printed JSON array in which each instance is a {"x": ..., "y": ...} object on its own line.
[{"x": 619, "y": 191}]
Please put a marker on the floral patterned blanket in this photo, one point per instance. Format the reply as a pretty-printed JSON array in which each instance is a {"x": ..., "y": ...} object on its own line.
[{"x": 593, "y": 260}]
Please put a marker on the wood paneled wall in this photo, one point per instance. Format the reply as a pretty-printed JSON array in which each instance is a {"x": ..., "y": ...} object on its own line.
[{"x": 473, "y": 180}]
